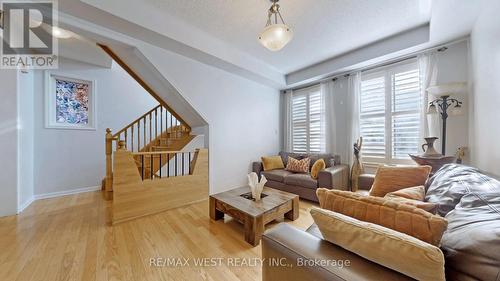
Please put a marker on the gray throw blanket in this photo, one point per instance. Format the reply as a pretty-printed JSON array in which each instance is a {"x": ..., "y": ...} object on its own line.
[{"x": 470, "y": 201}]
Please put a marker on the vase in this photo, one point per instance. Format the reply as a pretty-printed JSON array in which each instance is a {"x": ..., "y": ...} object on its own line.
[
  {"x": 256, "y": 186},
  {"x": 430, "y": 151}
]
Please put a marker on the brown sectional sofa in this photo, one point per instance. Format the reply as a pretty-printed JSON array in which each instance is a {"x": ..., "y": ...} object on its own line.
[
  {"x": 468, "y": 199},
  {"x": 336, "y": 175}
]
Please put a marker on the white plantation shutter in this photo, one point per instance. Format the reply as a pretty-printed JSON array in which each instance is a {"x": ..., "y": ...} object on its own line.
[
  {"x": 299, "y": 123},
  {"x": 307, "y": 121},
  {"x": 372, "y": 116},
  {"x": 316, "y": 132},
  {"x": 390, "y": 113},
  {"x": 406, "y": 102}
]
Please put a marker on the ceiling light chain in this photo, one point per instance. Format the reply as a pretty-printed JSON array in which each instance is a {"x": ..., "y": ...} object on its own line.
[{"x": 274, "y": 10}]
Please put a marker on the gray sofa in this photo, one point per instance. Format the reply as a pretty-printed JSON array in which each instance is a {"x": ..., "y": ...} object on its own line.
[{"x": 336, "y": 175}]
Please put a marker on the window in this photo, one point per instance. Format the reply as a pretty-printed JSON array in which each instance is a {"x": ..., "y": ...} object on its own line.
[
  {"x": 308, "y": 121},
  {"x": 390, "y": 102}
]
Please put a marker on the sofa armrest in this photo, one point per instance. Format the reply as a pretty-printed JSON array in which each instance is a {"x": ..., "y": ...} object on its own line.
[
  {"x": 365, "y": 181},
  {"x": 293, "y": 254},
  {"x": 257, "y": 168},
  {"x": 335, "y": 177}
]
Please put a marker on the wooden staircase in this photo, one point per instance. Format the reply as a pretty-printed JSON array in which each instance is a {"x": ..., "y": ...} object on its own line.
[
  {"x": 148, "y": 169},
  {"x": 158, "y": 130}
]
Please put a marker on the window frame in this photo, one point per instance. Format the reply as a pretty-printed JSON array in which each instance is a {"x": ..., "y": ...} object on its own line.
[{"x": 388, "y": 72}]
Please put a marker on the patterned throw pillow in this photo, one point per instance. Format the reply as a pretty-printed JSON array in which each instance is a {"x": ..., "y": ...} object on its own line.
[{"x": 298, "y": 166}]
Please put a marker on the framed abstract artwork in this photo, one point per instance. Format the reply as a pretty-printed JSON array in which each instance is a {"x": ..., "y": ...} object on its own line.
[{"x": 70, "y": 102}]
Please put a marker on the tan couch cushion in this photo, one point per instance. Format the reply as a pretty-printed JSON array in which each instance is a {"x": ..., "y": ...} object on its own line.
[
  {"x": 318, "y": 166},
  {"x": 390, "y": 179},
  {"x": 303, "y": 180},
  {"x": 384, "y": 246},
  {"x": 272, "y": 163},
  {"x": 388, "y": 213}
]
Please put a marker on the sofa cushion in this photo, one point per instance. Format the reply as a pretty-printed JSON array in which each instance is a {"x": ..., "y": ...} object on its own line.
[
  {"x": 384, "y": 246},
  {"x": 385, "y": 212},
  {"x": 303, "y": 180},
  {"x": 389, "y": 179},
  {"x": 276, "y": 175}
]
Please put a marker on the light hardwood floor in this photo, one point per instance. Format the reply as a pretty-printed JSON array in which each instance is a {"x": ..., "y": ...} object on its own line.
[{"x": 69, "y": 238}]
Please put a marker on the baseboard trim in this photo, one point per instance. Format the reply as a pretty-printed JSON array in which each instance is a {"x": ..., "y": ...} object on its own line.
[
  {"x": 25, "y": 204},
  {"x": 66, "y": 192}
]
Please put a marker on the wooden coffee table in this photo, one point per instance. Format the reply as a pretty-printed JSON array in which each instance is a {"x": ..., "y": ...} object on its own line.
[{"x": 254, "y": 215}]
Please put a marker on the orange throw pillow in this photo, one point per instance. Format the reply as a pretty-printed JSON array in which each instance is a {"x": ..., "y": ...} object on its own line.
[
  {"x": 426, "y": 206},
  {"x": 390, "y": 179},
  {"x": 388, "y": 213},
  {"x": 272, "y": 163},
  {"x": 298, "y": 166},
  {"x": 415, "y": 193},
  {"x": 413, "y": 196},
  {"x": 317, "y": 166}
]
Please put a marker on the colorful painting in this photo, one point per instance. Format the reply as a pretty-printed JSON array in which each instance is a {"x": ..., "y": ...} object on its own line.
[{"x": 72, "y": 102}]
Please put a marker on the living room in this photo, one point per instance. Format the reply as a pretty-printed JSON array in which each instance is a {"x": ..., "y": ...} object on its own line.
[{"x": 250, "y": 140}]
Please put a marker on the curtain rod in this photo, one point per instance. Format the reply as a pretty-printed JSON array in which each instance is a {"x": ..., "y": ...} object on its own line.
[{"x": 438, "y": 48}]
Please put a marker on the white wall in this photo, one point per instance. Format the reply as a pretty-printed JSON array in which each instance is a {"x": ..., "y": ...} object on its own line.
[
  {"x": 485, "y": 45},
  {"x": 8, "y": 142},
  {"x": 453, "y": 66},
  {"x": 243, "y": 115},
  {"x": 73, "y": 159},
  {"x": 25, "y": 139}
]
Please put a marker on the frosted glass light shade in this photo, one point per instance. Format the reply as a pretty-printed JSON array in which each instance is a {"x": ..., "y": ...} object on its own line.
[
  {"x": 455, "y": 88},
  {"x": 274, "y": 37}
]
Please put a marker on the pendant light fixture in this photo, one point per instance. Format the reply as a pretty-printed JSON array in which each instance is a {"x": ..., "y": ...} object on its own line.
[{"x": 275, "y": 35}]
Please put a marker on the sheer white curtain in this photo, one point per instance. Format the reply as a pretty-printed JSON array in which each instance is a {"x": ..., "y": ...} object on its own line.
[
  {"x": 430, "y": 123},
  {"x": 354, "y": 91},
  {"x": 328, "y": 126},
  {"x": 287, "y": 121}
]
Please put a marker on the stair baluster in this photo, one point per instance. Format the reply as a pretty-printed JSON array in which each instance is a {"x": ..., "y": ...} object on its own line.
[{"x": 156, "y": 130}]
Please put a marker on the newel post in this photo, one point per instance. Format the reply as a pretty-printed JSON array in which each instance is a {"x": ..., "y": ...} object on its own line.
[{"x": 108, "y": 183}]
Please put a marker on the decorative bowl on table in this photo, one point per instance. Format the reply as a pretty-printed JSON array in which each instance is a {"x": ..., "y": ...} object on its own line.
[{"x": 435, "y": 161}]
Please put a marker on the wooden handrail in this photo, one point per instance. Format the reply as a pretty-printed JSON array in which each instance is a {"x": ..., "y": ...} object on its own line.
[
  {"x": 159, "y": 152},
  {"x": 141, "y": 82},
  {"x": 136, "y": 120}
]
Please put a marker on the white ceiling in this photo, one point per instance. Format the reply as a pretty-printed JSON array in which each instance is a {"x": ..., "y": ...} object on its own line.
[
  {"x": 323, "y": 28},
  {"x": 222, "y": 33}
]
